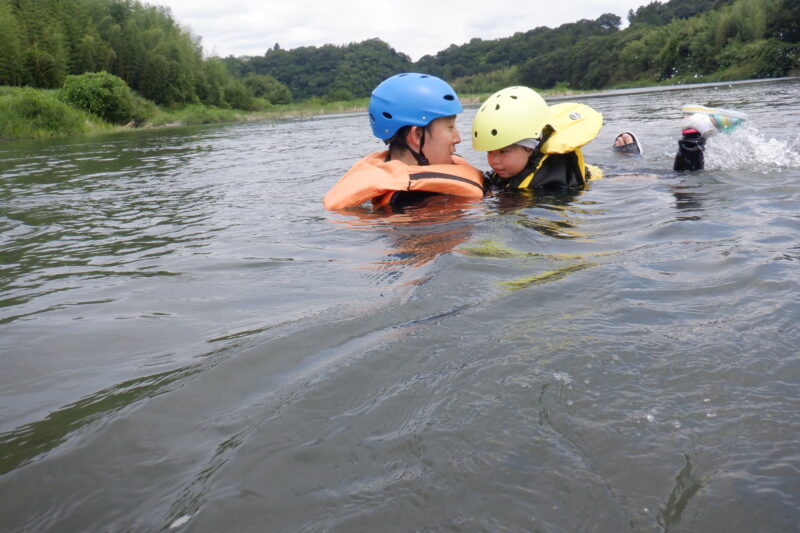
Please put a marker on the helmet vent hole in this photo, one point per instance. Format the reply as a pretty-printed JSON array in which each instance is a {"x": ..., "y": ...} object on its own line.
[
  {"x": 449, "y": 97},
  {"x": 371, "y": 117},
  {"x": 476, "y": 134},
  {"x": 494, "y": 132},
  {"x": 387, "y": 115},
  {"x": 423, "y": 76},
  {"x": 497, "y": 107},
  {"x": 513, "y": 97}
]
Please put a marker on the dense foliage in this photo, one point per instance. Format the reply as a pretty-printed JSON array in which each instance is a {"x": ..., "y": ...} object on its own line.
[
  {"x": 101, "y": 94},
  {"x": 45, "y": 43},
  {"x": 659, "y": 14},
  {"x": 675, "y": 41},
  {"x": 345, "y": 72},
  {"x": 267, "y": 87},
  {"x": 26, "y": 112}
]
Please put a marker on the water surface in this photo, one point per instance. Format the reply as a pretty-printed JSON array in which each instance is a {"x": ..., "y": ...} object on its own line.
[{"x": 191, "y": 343}]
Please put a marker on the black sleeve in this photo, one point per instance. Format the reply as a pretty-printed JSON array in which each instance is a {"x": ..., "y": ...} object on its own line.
[{"x": 691, "y": 148}]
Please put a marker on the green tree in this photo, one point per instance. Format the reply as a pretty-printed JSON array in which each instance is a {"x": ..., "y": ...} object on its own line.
[
  {"x": 237, "y": 96},
  {"x": 267, "y": 87},
  {"x": 42, "y": 41},
  {"x": 92, "y": 54},
  {"x": 101, "y": 94},
  {"x": 212, "y": 81},
  {"x": 12, "y": 71},
  {"x": 314, "y": 71},
  {"x": 156, "y": 69},
  {"x": 776, "y": 59},
  {"x": 46, "y": 59},
  {"x": 783, "y": 21}
]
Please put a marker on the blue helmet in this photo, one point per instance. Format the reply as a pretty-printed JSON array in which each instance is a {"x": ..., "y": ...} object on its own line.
[{"x": 410, "y": 99}]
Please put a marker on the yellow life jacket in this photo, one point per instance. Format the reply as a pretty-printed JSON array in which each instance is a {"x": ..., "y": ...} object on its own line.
[
  {"x": 561, "y": 162},
  {"x": 373, "y": 178}
]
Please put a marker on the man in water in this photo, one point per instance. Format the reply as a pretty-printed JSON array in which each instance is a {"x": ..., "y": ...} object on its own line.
[{"x": 414, "y": 115}]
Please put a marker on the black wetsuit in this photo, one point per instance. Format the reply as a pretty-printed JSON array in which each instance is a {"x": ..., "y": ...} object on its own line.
[
  {"x": 558, "y": 171},
  {"x": 691, "y": 149}
]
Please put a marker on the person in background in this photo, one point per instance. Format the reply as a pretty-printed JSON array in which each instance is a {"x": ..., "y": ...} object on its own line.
[
  {"x": 415, "y": 116},
  {"x": 530, "y": 145},
  {"x": 698, "y": 124}
]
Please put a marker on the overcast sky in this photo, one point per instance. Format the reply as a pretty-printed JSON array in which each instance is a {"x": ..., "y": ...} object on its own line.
[{"x": 413, "y": 27}]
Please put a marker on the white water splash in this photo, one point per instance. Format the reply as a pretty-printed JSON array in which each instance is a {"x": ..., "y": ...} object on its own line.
[
  {"x": 563, "y": 377},
  {"x": 749, "y": 149},
  {"x": 180, "y": 521}
]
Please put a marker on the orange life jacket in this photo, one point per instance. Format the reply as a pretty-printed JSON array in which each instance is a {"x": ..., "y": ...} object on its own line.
[{"x": 374, "y": 178}]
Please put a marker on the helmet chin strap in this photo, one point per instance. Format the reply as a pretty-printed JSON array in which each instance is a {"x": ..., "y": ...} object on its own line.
[{"x": 419, "y": 156}]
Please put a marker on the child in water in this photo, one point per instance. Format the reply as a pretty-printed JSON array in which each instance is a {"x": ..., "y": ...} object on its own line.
[
  {"x": 698, "y": 124},
  {"x": 531, "y": 145}
]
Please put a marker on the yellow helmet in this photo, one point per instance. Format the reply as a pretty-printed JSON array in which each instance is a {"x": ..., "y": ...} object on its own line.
[{"x": 508, "y": 116}]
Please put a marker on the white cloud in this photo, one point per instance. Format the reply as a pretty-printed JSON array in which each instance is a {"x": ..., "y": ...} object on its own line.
[{"x": 414, "y": 27}]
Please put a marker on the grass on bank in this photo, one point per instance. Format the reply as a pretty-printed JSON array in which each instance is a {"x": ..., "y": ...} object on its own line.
[
  {"x": 262, "y": 110},
  {"x": 38, "y": 113},
  {"x": 42, "y": 113}
]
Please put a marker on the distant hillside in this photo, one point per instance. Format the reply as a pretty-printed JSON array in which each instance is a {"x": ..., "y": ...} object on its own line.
[
  {"x": 675, "y": 41},
  {"x": 334, "y": 72},
  {"x": 659, "y": 14},
  {"x": 44, "y": 41}
]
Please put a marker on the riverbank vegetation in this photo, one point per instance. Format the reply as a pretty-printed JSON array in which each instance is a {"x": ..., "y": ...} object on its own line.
[
  {"x": 680, "y": 41},
  {"x": 97, "y": 65},
  {"x": 43, "y": 113}
]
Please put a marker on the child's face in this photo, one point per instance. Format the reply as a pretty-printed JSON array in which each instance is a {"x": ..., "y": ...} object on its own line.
[{"x": 509, "y": 161}]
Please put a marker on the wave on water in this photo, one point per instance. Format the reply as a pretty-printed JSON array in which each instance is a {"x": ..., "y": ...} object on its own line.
[{"x": 749, "y": 149}]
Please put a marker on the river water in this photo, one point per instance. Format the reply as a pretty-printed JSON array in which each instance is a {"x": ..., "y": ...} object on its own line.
[{"x": 190, "y": 342}]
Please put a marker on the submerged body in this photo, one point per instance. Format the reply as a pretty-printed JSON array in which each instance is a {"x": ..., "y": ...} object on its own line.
[
  {"x": 531, "y": 145},
  {"x": 567, "y": 171},
  {"x": 385, "y": 182},
  {"x": 414, "y": 114},
  {"x": 698, "y": 124}
]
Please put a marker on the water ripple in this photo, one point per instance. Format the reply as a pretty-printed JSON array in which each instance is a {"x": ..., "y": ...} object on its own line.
[{"x": 190, "y": 341}]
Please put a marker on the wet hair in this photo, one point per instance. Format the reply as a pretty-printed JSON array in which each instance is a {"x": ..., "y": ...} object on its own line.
[
  {"x": 398, "y": 141},
  {"x": 397, "y": 144}
]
